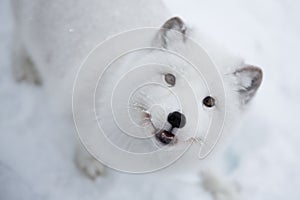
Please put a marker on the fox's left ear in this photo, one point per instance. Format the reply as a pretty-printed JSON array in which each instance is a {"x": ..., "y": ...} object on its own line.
[{"x": 249, "y": 79}]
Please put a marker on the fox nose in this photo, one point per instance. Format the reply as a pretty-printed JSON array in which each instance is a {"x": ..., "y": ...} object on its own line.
[{"x": 176, "y": 119}]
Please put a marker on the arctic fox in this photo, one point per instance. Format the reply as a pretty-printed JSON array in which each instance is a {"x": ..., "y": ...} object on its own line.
[{"x": 52, "y": 39}]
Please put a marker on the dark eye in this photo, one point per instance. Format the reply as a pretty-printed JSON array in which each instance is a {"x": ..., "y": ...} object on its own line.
[
  {"x": 170, "y": 79},
  {"x": 209, "y": 101}
]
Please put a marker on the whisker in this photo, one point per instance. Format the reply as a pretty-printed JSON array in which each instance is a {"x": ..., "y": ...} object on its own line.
[{"x": 195, "y": 140}]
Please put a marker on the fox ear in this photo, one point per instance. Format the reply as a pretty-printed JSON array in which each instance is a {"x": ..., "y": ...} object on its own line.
[
  {"x": 174, "y": 23},
  {"x": 249, "y": 79}
]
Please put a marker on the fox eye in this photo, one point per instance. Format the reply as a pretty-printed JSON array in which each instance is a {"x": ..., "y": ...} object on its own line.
[
  {"x": 209, "y": 101},
  {"x": 170, "y": 79}
]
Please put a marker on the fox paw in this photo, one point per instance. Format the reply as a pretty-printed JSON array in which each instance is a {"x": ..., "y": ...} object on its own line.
[{"x": 91, "y": 167}]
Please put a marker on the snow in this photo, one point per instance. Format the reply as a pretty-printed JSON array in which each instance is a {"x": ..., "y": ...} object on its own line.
[{"x": 36, "y": 144}]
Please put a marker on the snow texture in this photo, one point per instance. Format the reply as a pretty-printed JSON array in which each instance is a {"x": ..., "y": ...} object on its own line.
[{"x": 37, "y": 144}]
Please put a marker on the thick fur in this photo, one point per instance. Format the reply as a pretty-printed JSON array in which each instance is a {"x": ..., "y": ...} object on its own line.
[{"x": 57, "y": 35}]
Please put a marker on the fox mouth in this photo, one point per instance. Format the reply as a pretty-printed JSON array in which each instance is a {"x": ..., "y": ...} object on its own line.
[{"x": 165, "y": 137}]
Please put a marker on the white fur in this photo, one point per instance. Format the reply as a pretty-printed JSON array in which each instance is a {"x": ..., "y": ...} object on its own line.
[{"x": 57, "y": 35}]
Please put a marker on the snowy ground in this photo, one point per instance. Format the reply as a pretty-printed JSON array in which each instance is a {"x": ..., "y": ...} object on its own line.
[{"x": 36, "y": 152}]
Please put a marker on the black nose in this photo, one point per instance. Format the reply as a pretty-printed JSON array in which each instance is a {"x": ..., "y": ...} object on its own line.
[{"x": 177, "y": 119}]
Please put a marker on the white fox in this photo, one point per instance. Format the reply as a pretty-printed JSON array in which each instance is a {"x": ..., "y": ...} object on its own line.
[{"x": 54, "y": 37}]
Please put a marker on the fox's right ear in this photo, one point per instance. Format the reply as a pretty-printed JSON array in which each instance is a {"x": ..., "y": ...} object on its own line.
[
  {"x": 174, "y": 23},
  {"x": 249, "y": 79}
]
